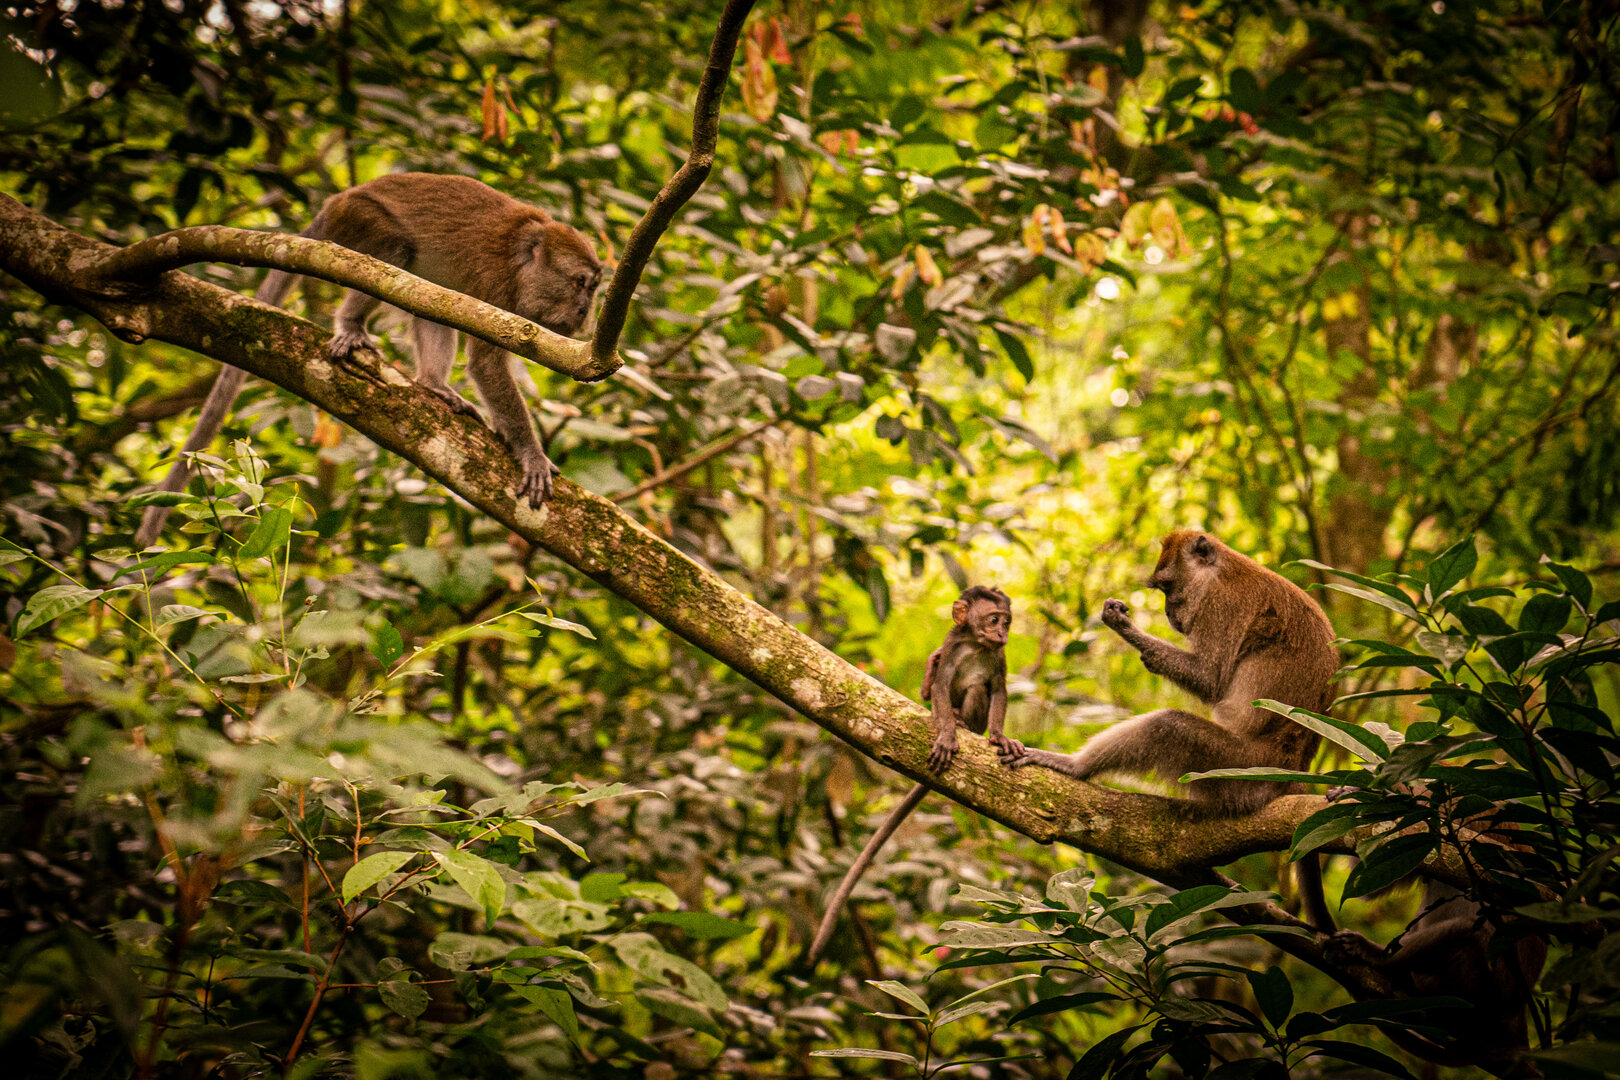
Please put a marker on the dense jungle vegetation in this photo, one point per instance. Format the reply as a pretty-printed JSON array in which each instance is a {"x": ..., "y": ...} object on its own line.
[{"x": 363, "y": 770}]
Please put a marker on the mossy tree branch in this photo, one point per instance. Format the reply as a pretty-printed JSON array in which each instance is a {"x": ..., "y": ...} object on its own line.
[{"x": 1151, "y": 835}]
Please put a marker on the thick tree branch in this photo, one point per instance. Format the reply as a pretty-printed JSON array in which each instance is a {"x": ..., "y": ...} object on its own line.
[
  {"x": 680, "y": 187},
  {"x": 1154, "y": 836},
  {"x": 130, "y": 272}
]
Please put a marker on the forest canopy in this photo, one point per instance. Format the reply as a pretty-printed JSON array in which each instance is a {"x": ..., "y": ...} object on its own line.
[{"x": 370, "y": 765}]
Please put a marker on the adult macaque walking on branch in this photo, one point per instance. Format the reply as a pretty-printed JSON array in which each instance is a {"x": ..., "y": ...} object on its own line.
[
  {"x": 966, "y": 682},
  {"x": 1251, "y": 634},
  {"x": 464, "y": 235}
]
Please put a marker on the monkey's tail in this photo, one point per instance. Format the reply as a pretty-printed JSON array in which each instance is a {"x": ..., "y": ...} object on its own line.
[
  {"x": 829, "y": 921},
  {"x": 1308, "y": 879},
  {"x": 272, "y": 290}
]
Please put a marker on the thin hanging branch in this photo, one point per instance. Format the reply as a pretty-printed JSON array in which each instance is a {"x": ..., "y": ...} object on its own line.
[{"x": 680, "y": 187}]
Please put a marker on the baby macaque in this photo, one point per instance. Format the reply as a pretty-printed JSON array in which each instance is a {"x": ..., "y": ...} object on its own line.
[{"x": 965, "y": 680}]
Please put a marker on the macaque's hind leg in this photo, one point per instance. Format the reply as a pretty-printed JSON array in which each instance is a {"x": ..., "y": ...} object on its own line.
[
  {"x": 435, "y": 355},
  {"x": 349, "y": 326},
  {"x": 975, "y": 711},
  {"x": 491, "y": 371}
]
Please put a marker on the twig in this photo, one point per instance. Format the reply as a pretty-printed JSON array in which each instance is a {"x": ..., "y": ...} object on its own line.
[
  {"x": 676, "y": 471},
  {"x": 681, "y": 187}
]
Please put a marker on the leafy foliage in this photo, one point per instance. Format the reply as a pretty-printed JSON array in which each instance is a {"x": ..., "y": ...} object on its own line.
[{"x": 1007, "y": 291}]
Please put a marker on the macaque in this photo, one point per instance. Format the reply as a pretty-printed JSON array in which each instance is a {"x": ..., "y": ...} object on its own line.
[
  {"x": 972, "y": 667},
  {"x": 1251, "y": 634},
  {"x": 461, "y": 234},
  {"x": 1447, "y": 952},
  {"x": 965, "y": 680}
]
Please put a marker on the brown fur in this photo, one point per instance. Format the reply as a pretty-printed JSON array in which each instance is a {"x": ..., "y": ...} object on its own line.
[
  {"x": 970, "y": 667},
  {"x": 1251, "y": 633},
  {"x": 464, "y": 235}
]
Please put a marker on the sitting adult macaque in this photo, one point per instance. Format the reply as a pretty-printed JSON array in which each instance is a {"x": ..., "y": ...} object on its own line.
[
  {"x": 460, "y": 233},
  {"x": 1251, "y": 633},
  {"x": 965, "y": 680}
]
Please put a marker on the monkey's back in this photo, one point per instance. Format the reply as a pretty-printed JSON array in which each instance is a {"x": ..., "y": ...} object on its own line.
[
  {"x": 1287, "y": 654},
  {"x": 458, "y": 230}
]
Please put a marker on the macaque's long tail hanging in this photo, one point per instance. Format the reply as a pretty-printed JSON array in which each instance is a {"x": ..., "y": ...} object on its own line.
[{"x": 829, "y": 921}]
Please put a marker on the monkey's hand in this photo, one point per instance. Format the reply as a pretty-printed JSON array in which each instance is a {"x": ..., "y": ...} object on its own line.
[
  {"x": 1007, "y": 748},
  {"x": 538, "y": 472},
  {"x": 1116, "y": 615},
  {"x": 944, "y": 750}
]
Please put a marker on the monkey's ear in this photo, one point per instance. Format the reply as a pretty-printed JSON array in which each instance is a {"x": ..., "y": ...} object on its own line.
[
  {"x": 959, "y": 612},
  {"x": 1203, "y": 549}
]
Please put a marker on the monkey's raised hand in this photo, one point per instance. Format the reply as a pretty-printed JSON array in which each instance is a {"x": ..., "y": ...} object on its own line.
[{"x": 1116, "y": 615}]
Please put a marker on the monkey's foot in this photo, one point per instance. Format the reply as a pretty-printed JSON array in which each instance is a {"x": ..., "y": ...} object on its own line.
[
  {"x": 345, "y": 343},
  {"x": 457, "y": 403},
  {"x": 943, "y": 752},
  {"x": 1116, "y": 615},
  {"x": 538, "y": 472},
  {"x": 1006, "y": 748}
]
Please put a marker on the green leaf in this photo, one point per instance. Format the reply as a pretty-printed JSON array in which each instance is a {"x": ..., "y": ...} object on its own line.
[
  {"x": 1324, "y": 826},
  {"x": 1134, "y": 60},
  {"x": 1184, "y": 903},
  {"x": 1388, "y": 863},
  {"x": 1452, "y": 565},
  {"x": 1397, "y": 606},
  {"x": 1017, "y": 352},
  {"x": 701, "y": 924},
  {"x": 1354, "y": 738},
  {"x": 553, "y": 916},
  {"x": 405, "y": 998},
  {"x": 1060, "y": 1003},
  {"x": 1545, "y": 614},
  {"x": 1394, "y": 592},
  {"x": 387, "y": 645},
  {"x": 1244, "y": 91},
  {"x": 53, "y": 602},
  {"x": 968, "y": 935},
  {"x": 862, "y": 1052},
  {"x": 478, "y": 878},
  {"x": 548, "y": 619},
  {"x": 1102, "y": 1056},
  {"x": 1274, "y": 993},
  {"x": 557, "y": 1004},
  {"x": 372, "y": 869},
  {"x": 1557, "y": 911},
  {"x": 1575, "y": 583},
  {"x": 901, "y": 992},
  {"x": 272, "y": 532},
  {"x": 681, "y": 1010},
  {"x": 171, "y": 558},
  {"x": 1447, "y": 648},
  {"x": 643, "y": 954},
  {"x": 169, "y": 614},
  {"x": 961, "y": 1012},
  {"x": 1359, "y": 1054}
]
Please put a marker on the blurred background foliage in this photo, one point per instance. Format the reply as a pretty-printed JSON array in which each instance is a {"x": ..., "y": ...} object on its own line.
[{"x": 977, "y": 292}]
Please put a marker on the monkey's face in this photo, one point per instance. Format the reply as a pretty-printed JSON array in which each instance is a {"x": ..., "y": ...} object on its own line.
[
  {"x": 556, "y": 284},
  {"x": 1188, "y": 563},
  {"x": 990, "y": 622}
]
